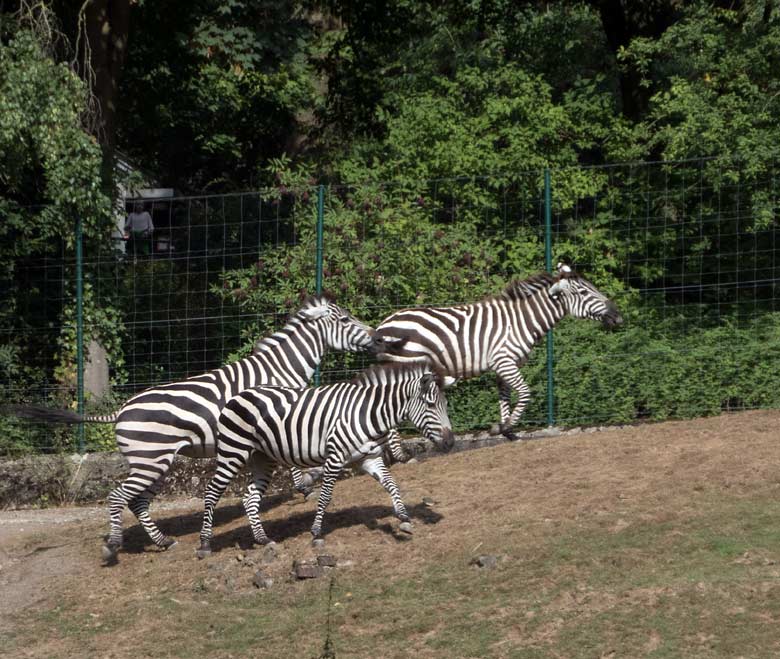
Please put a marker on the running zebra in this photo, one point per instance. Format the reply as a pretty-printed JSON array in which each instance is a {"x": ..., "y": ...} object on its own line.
[
  {"x": 496, "y": 334},
  {"x": 156, "y": 424},
  {"x": 334, "y": 425}
]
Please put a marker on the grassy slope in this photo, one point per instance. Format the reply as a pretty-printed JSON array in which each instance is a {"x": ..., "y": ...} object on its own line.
[{"x": 658, "y": 541}]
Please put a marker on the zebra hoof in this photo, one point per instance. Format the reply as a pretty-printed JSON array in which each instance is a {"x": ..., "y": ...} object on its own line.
[
  {"x": 168, "y": 543},
  {"x": 311, "y": 494},
  {"x": 318, "y": 543},
  {"x": 109, "y": 552},
  {"x": 406, "y": 527},
  {"x": 496, "y": 429},
  {"x": 203, "y": 552}
]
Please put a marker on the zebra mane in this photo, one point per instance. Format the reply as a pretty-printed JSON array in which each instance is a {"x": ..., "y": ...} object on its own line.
[
  {"x": 312, "y": 300},
  {"x": 521, "y": 289},
  {"x": 295, "y": 319},
  {"x": 383, "y": 373}
]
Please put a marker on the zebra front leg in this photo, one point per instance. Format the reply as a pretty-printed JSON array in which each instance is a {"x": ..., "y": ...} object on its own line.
[
  {"x": 377, "y": 468},
  {"x": 509, "y": 379},
  {"x": 262, "y": 470},
  {"x": 394, "y": 445},
  {"x": 227, "y": 468},
  {"x": 333, "y": 466},
  {"x": 303, "y": 481}
]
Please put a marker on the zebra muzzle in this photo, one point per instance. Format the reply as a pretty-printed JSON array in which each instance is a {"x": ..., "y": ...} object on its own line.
[{"x": 447, "y": 440}]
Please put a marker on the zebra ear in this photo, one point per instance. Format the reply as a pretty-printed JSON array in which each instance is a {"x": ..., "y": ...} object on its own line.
[
  {"x": 564, "y": 269},
  {"x": 393, "y": 341},
  {"x": 313, "y": 313},
  {"x": 426, "y": 381},
  {"x": 559, "y": 287}
]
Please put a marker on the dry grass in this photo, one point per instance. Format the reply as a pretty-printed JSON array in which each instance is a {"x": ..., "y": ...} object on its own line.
[{"x": 659, "y": 541}]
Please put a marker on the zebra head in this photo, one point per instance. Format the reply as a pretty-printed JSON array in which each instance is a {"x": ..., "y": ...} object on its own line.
[
  {"x": 582, "y": 299},
  {"x": 427, "y": 410},
  {"x": 338, "y": 328}
]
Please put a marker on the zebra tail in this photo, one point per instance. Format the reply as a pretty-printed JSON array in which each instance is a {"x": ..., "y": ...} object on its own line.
[{"x": 49, "y": 415}]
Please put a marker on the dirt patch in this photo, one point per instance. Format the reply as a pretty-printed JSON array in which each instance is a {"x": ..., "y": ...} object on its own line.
[{"x": 515, "y": 501}]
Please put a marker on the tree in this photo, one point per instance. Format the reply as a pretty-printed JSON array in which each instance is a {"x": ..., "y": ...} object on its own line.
[{"x": 215, "y": 88}]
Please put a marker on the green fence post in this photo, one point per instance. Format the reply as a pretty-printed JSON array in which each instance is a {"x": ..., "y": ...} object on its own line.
[
  {"x": 318, "y": 266},
  {"x": 548, "y": 265},
  {"x": 80, "y": 331}
]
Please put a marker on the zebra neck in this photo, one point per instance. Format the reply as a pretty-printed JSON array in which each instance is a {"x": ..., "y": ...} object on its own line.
[
  {"x": 537, "y": 314},
  {"x": 295, "y": 350},
  {"x": 389, "y": 406}
]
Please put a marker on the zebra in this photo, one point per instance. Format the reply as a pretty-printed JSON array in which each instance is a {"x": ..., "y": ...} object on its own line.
[
  {"x": 495, "y": 334},
  {"x": 333, "y": 425},
  {"x": 181, "y": 417}
]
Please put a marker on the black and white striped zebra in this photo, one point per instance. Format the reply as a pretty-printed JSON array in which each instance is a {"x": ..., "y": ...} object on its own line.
[
  {"x": 333, "y": 426},
  {"x": 495, "y": 334},
  {"x": 181, "y": 417}
]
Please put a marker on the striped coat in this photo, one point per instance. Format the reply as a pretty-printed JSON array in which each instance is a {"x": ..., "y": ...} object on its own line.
[
  {"x": 330, "y": 426},
  {"x": 495, "y": 334}
]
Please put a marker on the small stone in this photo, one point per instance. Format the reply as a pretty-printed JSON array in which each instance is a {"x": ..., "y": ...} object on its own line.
[
  {"x": 326, "y": 560},
  {"x": 262, "y": 580},
  {"x": 304, "y": 570},
  {"x": 484, "y": 560},
  {"x": 427, "y": 501},
  {"x": 240, "y": 558},
  {"x": 270, "y": 553}
]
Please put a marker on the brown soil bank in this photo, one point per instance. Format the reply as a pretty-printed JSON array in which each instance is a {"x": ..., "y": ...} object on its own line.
[{"x": 659, "y": 540}]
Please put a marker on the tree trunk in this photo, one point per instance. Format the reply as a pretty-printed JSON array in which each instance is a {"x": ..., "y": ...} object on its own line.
[
  {"x": 623, "y": 20},
  {"x": 107, "y": 27}
]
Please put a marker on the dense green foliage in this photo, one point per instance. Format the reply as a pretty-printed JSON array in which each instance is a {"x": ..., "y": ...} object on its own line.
[
  {"x": 49, "y": 177},
  {"x": 431, "y": 125}
]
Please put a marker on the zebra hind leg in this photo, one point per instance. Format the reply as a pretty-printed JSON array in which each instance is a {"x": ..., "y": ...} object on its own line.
[
  {"x": 376, "y": 467},
  {"x": 120, "y": 497},
  {"x": 140, "y": 508}
]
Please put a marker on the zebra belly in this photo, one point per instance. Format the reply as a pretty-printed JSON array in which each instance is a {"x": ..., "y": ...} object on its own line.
[
  {"x": 199, "y": 450},
  {"x": 370, "y": 449},
  {"x": 309, "y": 452}
]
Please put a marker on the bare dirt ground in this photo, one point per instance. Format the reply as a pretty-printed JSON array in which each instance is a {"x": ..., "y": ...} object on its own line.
[{"x": 607, "y": 543}]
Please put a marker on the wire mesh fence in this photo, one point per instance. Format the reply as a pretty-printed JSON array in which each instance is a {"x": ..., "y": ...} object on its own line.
[{"x": 687, "y": 250}]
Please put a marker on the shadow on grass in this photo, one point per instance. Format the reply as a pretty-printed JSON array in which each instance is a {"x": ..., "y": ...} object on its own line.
[{"x": 136, "y": 540}]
